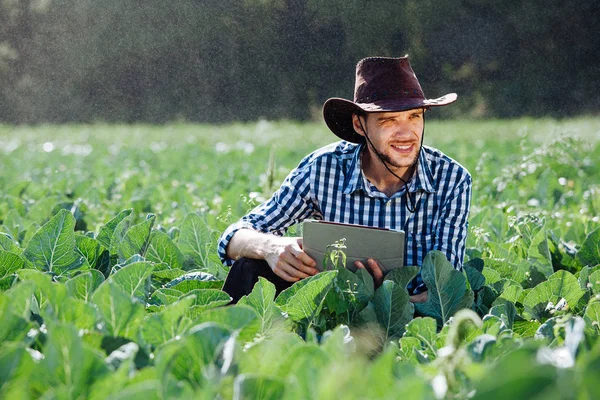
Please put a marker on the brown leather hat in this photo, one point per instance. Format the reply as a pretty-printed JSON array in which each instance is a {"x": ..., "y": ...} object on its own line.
[{"x": 382, "y": 84}]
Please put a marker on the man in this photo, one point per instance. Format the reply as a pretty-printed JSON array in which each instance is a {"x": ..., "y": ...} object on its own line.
[{"x": 379, "y": 175}]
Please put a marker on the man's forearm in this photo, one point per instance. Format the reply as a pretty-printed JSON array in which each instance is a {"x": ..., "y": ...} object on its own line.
[
  {"x": 283, "y": 254},
  {"x": 248, "y": 243}
]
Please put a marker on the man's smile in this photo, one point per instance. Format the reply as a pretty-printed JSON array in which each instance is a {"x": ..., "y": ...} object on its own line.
[{"x": 403, "y": 148}]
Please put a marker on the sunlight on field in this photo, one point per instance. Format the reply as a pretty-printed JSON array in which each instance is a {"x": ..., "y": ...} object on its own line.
[{"x": 108, "y": 267}]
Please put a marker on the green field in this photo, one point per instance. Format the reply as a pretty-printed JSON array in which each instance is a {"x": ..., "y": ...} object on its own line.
[{"x": 109, "y": 279}]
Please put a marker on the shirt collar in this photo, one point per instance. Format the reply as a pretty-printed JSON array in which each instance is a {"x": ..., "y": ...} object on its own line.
[
  {"x": 421, "y": 180},
  {"x": 354, "y": 181}
]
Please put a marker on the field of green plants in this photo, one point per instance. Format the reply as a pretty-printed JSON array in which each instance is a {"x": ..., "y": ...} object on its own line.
[{"x": 110, "y": 282}]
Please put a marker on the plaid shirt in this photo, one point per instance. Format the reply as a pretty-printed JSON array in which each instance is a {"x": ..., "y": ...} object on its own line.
[{"x": 328, "y": 184}]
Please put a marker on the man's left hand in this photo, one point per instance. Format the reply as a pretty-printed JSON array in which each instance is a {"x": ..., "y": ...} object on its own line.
[{"x": 374, "y": 268}]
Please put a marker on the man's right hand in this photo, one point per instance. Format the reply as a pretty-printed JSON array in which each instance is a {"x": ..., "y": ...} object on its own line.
[
  {"x": 283, "y": 254},
  {"x": 287, "y": 259}
]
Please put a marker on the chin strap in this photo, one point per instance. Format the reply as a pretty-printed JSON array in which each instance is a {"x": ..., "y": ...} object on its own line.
[{"x": 411, "y": 206}]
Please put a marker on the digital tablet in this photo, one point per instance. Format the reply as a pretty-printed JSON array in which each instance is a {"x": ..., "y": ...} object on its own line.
[{"x": 362, "y": 242}]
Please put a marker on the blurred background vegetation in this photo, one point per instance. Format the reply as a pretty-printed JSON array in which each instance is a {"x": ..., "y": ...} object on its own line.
[{"x": 219, "y": 61}]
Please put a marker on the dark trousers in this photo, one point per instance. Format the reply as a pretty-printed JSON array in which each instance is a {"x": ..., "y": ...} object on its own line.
[{"x": 244, "y": 274}]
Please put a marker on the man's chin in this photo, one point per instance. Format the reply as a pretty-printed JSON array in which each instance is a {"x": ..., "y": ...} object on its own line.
[{"x": 406, "y": 163}]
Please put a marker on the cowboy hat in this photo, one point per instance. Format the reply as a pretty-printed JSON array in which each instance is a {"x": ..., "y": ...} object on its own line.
[{"x": 383, "y": 84}]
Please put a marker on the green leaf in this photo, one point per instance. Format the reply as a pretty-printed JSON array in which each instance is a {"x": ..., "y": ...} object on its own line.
[
  {"x": 584, "y": 277},
  {"x": 68, "y": 364},
  {"x": 136, "y": 239},
  {"x": 262, "y": 300},
  {"x": 161, "y": 249},
  {"x": 10, "y": 361},
  {"x": 195, "y": 357},
  {"x": 592, "y": 316},
  {"x": 303, "y": 300},
  {"x": 464, "y": 328},
  {"x": 159, "y": 328},
  {"x": 594, "y": 282},
  {"x": 270, "y": 356},
  {"x": 517, "y": 376},
  {"x": 447, "y": 288},
  {"x": 8, "y": 244},
  {"x": 408, "y": 347},
  {"x": 476, "y": 263},
  {"x": 7, "y": 282},
  {"x": 506, "y": 311},
  {"x": 475, "y": 278},
  {"x": 90, "y": 248},
  {"x": 72, "y": 311},
  {"x": 484, "y": 300},
  {"x": 195, "y": 239},
  {"x": 23, "y": 298},
  {"x": 393, "y": 309},
  {"x": 122, "y": 315},
  {"x": 522, "y": 271},
  {"x": 425, "y": 330},
  {"x": 589, "y": 253},
  {"x": 205, "y": 299},
  {"x": 480, "y": 346},
  {"x": 13, "y": 224},
  {"x": 350, "y": 292},
  {"x": 134, "y": 279},
  {"x": 491, "y": 275},
  {"x": 367, "y": 280},
  {"x": 160, "y": 278},
  {"x": 338, "y": 343},
  {"x": 305, "y": 365},
  {"x": 562, "y": 284},
  {"x": 83, "y": 285},
  {"x": 236, "y": 317},
  {"x": 250, "y": 386},
  {"x": 539, "y": 253},
  {"x": 9, "y": 263},
  {"x": 106, "y": 232},
  {"x": 41, "y": 211},
  {"x": 119, "y": 232},
  {"x": 13, "y": 325},
  {"x": 526, "y": 328},
  {"x": 511, "y": 291},
  {"x": 194, "y": 280},
  {"x": 403, "y": 276},
  {"x": 53, "y": 247},
  {"x": 165, "y": 296},
  {"x": 51, "y": 299}
]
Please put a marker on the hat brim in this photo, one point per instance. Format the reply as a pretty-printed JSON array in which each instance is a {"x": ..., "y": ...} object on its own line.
[{"x": 338, "y": 112}]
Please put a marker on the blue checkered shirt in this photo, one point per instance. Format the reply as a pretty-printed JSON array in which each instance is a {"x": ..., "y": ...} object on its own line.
[{"x": 329, "y": 184}]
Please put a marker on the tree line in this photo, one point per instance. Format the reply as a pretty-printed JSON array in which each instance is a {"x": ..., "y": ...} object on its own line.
[{"x": 217, "y": 61}]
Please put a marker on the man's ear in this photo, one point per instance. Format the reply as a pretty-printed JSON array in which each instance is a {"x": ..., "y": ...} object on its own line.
[{"x": 356, "y": 124}]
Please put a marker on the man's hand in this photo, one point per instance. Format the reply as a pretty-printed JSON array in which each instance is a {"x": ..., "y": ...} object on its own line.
[
  {"x": 287, "y": 259},
  {"x": 374, "y": 268},
  {"x": 419, "y": 298},
  {"x": 283, "y": 254}
]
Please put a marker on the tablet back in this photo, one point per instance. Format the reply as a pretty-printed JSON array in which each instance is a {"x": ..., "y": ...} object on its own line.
[{"x": 362, "y": 242}]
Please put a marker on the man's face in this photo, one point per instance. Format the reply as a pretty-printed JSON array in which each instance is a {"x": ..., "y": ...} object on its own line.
[{"x": 395, "y": 135}]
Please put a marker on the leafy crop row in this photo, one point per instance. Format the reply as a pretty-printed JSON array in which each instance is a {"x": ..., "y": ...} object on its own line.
[{"x": 108, "y": 293}]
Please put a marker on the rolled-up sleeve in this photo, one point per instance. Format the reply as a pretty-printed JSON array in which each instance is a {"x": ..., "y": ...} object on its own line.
[
  {"x": 289, "y": 205},
  {"x": 453, "y": 225}
]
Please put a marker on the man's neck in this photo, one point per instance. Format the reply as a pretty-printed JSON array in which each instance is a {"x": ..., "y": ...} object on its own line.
[{"x": 376, "y": 172}]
